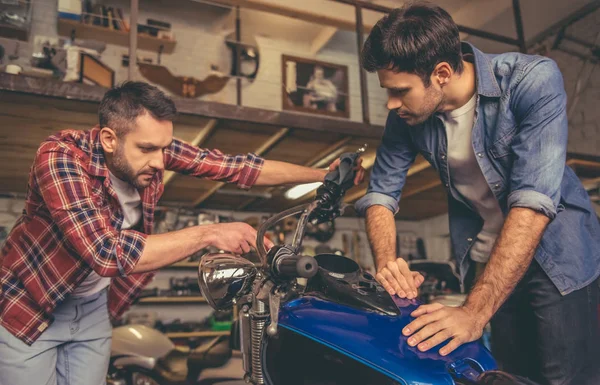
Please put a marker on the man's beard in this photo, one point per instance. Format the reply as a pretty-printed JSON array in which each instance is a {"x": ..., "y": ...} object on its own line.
[
  {"x": 433, "y": 100},
  {"x": 126, "y": 172}
]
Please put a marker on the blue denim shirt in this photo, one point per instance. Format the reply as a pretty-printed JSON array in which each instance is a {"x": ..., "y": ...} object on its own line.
[{"x": 520, "y": 140}]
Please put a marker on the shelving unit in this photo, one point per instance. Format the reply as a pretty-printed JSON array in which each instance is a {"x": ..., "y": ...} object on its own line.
[
  {"x": 189, "y": 299},
  {"x": 206, "y": 333},
  {"x": 23, "y": 9},
  {"x": 12, "y": 32},
  {"x": 183, "y": 265},
  {"x": 67, "y": 27}
]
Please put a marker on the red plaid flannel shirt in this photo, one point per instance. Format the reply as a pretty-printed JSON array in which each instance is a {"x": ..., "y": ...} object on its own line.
[{"x": 71, "y": 226}]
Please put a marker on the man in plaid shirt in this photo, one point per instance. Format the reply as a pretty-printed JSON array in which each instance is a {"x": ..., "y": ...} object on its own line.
[{"x": 82, "y": 249}]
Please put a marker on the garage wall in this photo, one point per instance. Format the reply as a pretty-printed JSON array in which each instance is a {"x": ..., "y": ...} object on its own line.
[{"x": 200, "y": 35}]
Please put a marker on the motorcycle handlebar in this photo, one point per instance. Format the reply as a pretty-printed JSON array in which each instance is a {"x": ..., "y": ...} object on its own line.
[{"x": 294, "y": 266}]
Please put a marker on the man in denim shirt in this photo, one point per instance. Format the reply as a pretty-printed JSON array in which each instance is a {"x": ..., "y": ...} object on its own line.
[{"x": 495, "y": 127}]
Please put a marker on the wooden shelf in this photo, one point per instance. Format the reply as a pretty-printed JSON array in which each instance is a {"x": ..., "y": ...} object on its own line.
[
  {"x": 112, "y": 36},
  {"x": 184, "y": 265},
  {"x": 189, "y": 299},
  {"x": 206, "y": 333},
  {"x": 12, "y": 32}
]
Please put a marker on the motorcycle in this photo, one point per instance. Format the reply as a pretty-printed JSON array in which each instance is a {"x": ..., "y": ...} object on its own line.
[{"x": 322, "y": 320}]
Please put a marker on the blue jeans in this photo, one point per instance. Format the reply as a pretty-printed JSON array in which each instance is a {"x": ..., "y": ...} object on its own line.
[
  {"x": 545, "y": 336},
  {"x": 74, "y": 350}
]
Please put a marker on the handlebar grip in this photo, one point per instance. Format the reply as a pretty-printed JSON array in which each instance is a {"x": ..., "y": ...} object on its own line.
[
  {"x": 344, "y": 174},
  {"x": 297, "y": 266}
]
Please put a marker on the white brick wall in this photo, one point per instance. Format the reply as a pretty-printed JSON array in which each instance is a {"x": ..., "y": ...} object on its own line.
[
  {"x": 10, "y": 210},
  {"x": 198, "y": 47},
  {"x": 584, "y": 129}
]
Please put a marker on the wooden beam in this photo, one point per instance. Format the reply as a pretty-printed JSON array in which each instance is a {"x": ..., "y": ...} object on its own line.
[
  {"x": 590, "y": 184},
  {"x": 322, "y": 39},
  {"x": 278, "y": 8},
  {"x": 260, "y": 151},
  {"x": 420, "y": 189},
  {"x": 583, "y": 163},
  {"x": 198, "y": 141},
  {"x": 83, "y": 97},
  {"x": 271, "y": 142},
  {"x": 315, "y": 161},
  {"x": 415, "y": 168}
]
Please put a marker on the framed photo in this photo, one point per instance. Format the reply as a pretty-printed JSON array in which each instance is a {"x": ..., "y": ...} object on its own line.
[
  {"x": 93, "y": 71},
  {"x": 315, "y": 87}
]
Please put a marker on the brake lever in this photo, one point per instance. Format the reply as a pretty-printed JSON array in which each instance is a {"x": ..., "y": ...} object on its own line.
[
  {"x": 274, "y": 303},
  {"x": 335, "y": 185}
]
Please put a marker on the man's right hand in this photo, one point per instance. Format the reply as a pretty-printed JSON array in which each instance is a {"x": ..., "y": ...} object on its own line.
[
  {"x": 396, "y": 278},
  {"x": 236, "y": 237}
]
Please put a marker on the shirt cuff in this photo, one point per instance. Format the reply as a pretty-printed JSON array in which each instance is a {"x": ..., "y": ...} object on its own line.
[
  {"x": 532, "y": 200},
  {"x": 249, "y": 174},
  {"x": 375, "y": 198},
  {"x": 130, "y": 247}
]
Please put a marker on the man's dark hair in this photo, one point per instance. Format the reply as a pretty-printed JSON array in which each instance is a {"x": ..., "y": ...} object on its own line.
[
  {"x": 413, "y": 39},
  {"x": 121, "y": 106}
]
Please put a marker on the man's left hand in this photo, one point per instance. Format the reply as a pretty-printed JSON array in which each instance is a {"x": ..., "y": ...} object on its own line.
[
  {"x": 360, "y": 170},
  {"x": 436, "y": 323}
]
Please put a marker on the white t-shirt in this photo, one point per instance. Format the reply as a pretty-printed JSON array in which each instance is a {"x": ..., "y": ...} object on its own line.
[
  {"x": 467, "y": 178},
  {"x": 131, "y": 204}
]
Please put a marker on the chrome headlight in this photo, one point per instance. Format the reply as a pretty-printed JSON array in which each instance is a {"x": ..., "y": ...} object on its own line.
[{"x": 225, "y": 278}]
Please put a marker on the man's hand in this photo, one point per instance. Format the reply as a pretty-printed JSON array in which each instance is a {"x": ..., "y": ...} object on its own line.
[
  {"x": 436, "y": 323},
  {"x": 396, "y": 278},
  {"x": 236, "y": 237},
  {"x": 360, "y": 170}
]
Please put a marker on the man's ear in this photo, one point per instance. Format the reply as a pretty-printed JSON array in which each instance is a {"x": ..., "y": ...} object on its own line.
[
  {"x": 442, "y": 73},
  {"x": 108, "y": 139}
]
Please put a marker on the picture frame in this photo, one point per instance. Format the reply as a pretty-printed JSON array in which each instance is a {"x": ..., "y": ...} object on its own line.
[
  {"x": 314, "y": 86},
  {"x": 93, "y": 71}
]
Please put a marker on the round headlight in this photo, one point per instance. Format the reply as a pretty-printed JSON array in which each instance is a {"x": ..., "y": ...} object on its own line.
[{"x": 225, "y": 278}]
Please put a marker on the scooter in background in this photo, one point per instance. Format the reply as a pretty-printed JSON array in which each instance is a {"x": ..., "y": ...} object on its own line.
[{"x": 141, "y": 355}]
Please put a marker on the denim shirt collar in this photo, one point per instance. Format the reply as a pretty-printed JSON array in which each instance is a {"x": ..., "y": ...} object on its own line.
[{"x": 486, "y": 81}]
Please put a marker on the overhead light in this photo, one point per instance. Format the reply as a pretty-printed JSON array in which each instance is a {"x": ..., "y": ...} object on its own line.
[{"x": 301, "y": 190}]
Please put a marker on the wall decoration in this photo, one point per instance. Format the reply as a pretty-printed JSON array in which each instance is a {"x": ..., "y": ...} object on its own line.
[
  {"x": 186, "y": 86},
  {"x": 315, "y": 87}
]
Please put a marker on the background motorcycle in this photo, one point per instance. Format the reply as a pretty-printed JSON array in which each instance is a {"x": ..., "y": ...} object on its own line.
[{"x": 141, "y": 355}]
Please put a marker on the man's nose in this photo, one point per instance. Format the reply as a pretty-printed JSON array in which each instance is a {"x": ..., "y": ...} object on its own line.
[
  {"x": 393, "y": 104},
  {"x": 157, "y": 162}
]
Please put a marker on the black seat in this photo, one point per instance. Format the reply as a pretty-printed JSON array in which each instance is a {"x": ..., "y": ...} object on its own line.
[
  {"x": 180, "y": 367},
  {"x": 212, "y": 354}
]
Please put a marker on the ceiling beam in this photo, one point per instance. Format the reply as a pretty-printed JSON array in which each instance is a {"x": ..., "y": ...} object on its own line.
[
  {"x": 79, "y": 97},
  {"x": 415, "y": 168},
  {"x": 565, "y": 22},
  {"x": 471, "y": 13},
  {"x": 279, "y": 8},
  {"x": 461, "y": 28},
  {"x": 322, "y": 39},
  {"x": 260, "y": 151},
  {"x": 516, "y": 5},
  {"x": 583, "y": 163},
  {"x": 198, "y": 141},
  {"x": 315, "y": 161},
  {"x": 421, "y": 188}
]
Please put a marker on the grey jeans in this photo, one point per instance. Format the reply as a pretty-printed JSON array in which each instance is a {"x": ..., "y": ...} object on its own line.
[
  {"x": 74, "y": 350},
  {"x": 545, "y": 336}
]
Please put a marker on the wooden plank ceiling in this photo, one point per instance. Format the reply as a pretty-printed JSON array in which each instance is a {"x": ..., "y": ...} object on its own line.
[{"x": 28, "y": 119}]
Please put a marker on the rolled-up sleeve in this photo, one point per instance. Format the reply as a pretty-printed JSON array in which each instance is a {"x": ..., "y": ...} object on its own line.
[
  {"x": 65, "y": 187},
  {"x": 539, "y": 147},
  {"x": 394, "y": 157},
  {"x": 186, "y": 159}
]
